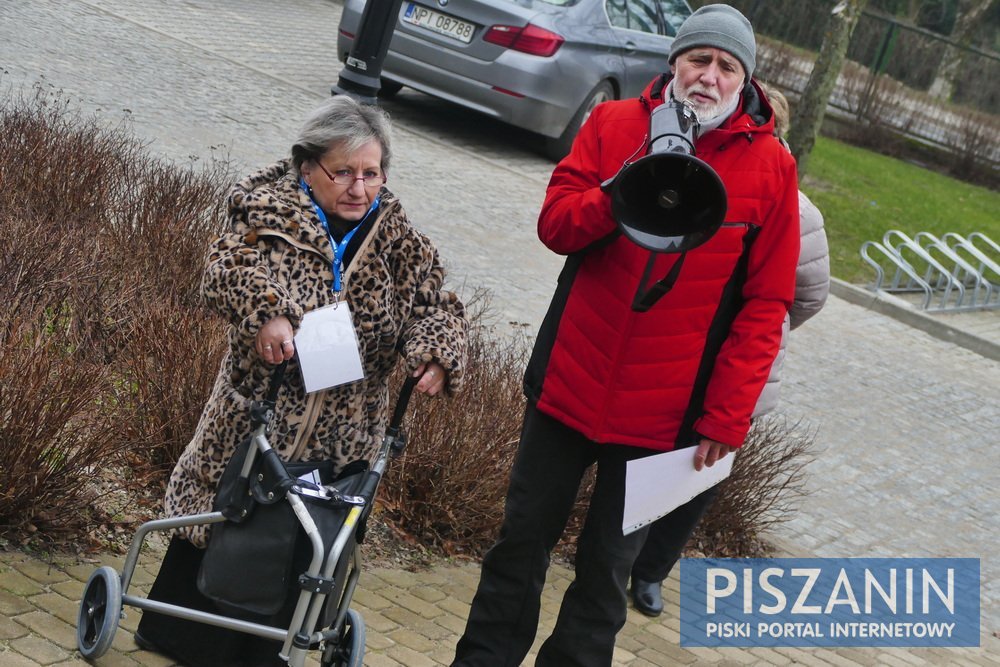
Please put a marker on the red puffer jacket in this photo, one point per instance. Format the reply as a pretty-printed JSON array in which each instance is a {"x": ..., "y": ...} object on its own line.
[{"x": 695, "y": 363}]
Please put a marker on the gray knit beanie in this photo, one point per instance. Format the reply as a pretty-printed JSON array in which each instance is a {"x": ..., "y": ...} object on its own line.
[{"x": 720, "y": 26}]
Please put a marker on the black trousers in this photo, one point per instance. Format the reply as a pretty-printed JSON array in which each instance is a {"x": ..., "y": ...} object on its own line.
[
  {"x": 545, "y": 478},
  {"x": 197, "y": 644},
  {"x": 667, "y": 536}
]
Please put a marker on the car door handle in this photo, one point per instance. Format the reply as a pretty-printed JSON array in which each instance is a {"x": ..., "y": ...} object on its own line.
[{"x": 630, "y": 48}]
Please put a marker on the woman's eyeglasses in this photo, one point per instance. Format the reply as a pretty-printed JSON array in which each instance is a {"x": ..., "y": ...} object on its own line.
[{"x": 347, "y": 177}]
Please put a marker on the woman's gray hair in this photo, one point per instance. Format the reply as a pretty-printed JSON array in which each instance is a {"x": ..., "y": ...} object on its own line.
[{"x": 343, "y": 122}]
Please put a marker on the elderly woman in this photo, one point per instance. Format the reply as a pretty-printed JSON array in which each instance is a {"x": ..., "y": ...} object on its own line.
[{"x": 318, "y": 229}]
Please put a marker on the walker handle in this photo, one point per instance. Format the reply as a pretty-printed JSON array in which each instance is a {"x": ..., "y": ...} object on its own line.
[
  {"x": 393, "y": 443},
  {"x": 277, "y": 378},
  {"x": 404, "y": 399}
]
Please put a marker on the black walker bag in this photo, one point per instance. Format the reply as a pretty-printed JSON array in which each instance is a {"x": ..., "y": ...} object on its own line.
[{"x": 254, "y": 558}]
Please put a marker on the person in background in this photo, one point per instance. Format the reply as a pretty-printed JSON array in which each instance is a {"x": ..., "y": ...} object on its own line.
[
  {"x": 316, "y": 229},
  {"x": 668, "y": 535},
  {"x": 606, "y": 383}
]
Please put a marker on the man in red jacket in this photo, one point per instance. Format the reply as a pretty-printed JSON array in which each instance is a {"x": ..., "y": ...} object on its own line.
[{"x": 607, "y": 383}]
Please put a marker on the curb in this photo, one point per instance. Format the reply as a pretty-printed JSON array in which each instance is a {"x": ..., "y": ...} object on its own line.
[{"x": 896, "y": 308}]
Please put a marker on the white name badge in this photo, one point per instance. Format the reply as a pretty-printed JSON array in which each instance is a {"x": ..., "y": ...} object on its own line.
[{"x": 328, "y": 348}]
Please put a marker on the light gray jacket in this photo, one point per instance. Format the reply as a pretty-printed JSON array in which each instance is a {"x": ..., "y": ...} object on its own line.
[{"x": 812, "y": 285}]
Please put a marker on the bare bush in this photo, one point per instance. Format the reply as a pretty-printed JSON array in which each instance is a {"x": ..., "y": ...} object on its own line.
[
  {"x": 781, "y": 64},
  {"x": 973, "y": 146},
  {"x": 883, "y": 107},
  {"x": 166, "y": 371},
  {"x": 854, "y": 81},
  {"x": 162, "y": 223},
  {"x": 105, "y": 352},
  {"x": 51, "y": 439},
  {"x": 448, "y": 490}
]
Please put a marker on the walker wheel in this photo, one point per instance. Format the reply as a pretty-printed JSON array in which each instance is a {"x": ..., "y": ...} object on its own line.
[
  {"x": 100, "y": 611},
  {"x": 350, "y": 650}
]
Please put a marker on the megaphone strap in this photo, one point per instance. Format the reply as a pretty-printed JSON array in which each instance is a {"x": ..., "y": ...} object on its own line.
[{"x": 644, "y": 300}]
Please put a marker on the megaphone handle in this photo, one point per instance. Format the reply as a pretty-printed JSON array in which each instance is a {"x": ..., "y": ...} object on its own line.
[
  {"x": 684, "y": 144},
  {"x": 644, "y": 299}
]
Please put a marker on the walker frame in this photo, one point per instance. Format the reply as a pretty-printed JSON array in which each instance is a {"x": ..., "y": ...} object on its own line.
[{"x": 332, "y": 573}]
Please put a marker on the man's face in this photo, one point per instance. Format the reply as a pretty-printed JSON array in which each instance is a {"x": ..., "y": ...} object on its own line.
[{"x": 709, "y": 78}]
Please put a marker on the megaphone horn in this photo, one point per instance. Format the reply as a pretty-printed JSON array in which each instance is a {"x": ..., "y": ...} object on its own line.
[{"x": 669, "y": 200}]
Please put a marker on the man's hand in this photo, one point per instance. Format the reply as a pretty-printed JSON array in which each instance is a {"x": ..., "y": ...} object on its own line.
[{"x": 710, "y": 451}]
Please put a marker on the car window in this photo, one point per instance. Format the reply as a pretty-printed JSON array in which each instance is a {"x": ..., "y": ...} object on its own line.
[
  {"x": 617, "y": 13},
  {"x": 659, "y": 17},
  {"x": 643, "y": 15},
  {"x": 674, "y": 13}
]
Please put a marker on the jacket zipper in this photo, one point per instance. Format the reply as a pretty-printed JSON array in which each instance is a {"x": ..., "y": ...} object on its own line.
[
  {"x": 313, "y": 404},
  {"x": 626, "y": 335}
]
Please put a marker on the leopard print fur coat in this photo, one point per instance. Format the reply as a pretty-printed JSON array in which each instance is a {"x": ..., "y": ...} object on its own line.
[{"x": 276, "y": 260}]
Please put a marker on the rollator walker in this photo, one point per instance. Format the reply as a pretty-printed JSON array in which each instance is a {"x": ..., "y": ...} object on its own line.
[{"x": 322, "y": 618}]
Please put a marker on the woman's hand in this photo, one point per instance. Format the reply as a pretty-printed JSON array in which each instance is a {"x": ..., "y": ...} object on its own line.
[
  {"x": 274, "y": 340},
  {"x": 433, "y": 378}
]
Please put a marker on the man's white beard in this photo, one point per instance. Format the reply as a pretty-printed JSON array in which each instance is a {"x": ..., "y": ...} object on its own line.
[{"x": 706, "y": 111}]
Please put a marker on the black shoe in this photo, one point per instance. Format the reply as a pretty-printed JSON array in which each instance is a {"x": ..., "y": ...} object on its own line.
[
  {"x": 647, "y": 597},
  {"x": 144, "y": 643}
]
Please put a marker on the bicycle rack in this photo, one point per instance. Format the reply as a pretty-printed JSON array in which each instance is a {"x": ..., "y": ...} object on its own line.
[
  {"x": 986, "y": 240},
  {"x": 901, "y": 266},
  {"x": 986, "y": 264},
  {"x": 950, "y": 272},
  {"x": 962, "y": 271}
]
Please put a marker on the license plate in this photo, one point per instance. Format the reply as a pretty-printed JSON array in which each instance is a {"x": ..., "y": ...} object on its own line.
[{"x": 440, "y": 23}]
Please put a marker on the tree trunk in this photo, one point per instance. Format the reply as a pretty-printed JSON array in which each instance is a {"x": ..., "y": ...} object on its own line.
[
  {"x": 809, "y": 113},
  {"x": 970, "y": 12}
]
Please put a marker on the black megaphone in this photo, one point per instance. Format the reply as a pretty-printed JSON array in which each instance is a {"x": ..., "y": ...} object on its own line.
[{"x": 669, "y": 200}]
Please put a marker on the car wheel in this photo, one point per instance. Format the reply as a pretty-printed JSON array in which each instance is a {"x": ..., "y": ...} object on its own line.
[
  {"x": 388, "y": 88},
  {"x": 557, "y": 148}
]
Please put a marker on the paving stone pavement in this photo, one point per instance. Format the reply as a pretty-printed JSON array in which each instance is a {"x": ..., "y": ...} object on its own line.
[{"x": 905, "y": 423}]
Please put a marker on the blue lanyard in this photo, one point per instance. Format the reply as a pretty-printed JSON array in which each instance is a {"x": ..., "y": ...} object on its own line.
[{"x": 338, "y": 248}]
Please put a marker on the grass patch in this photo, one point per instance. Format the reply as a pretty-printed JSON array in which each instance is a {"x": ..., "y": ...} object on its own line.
[{"x": 863, "y": 195}]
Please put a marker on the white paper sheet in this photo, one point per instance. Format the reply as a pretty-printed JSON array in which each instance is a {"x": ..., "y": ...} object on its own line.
[
  {"x": 657, "y": 485},
  {"x": 327, "y": 348}
]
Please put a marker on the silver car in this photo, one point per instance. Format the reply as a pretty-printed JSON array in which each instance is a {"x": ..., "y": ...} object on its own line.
[{"x": 541, "y": 65}]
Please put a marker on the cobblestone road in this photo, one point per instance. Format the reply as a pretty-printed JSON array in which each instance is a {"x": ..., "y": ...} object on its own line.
[
  {"x": 203, "y": 80},
  {"x": 906, "y": 424}
]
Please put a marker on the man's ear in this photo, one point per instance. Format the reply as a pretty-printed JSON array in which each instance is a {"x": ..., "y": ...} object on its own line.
[{"x": 673, "y": 69}]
